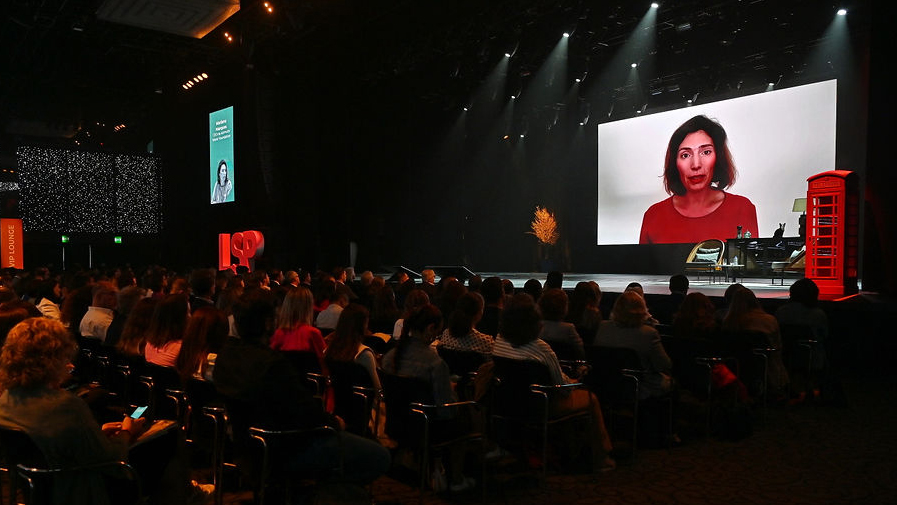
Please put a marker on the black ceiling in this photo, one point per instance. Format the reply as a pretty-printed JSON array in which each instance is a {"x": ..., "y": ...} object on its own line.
[{"x": 64, "y": 69}]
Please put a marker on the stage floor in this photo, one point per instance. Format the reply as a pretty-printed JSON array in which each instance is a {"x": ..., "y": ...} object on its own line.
[{"x": 654, "y": 284}]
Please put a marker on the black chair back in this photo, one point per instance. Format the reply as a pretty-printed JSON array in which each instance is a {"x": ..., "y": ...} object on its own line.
[
  {"x": 607, "y": 379},
  {"x": 512, "y": 386},
  {"x": 399, "y": 392},
  {"x": 303, "y": 361},
  {"x": 350, "y": 403},
  {"x": 461, "y": 363}
]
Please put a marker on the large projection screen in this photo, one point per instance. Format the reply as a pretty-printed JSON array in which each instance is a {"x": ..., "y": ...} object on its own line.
[{"x": 777, "y": 140}]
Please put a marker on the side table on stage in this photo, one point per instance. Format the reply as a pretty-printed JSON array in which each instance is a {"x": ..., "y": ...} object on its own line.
[{"x": 730, "y": 270}]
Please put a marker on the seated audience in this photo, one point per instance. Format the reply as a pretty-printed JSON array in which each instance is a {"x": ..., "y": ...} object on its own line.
[
  {"x": 519, "y": 339},
  {"x": 34, "y": 362},
  {"x": 493, "y": 299},
  {"x": 127, "y": 298},
  {"x": 627, "y": 328},
  {"x": 166, "y": 330},
  {"x": 205, "y": 334},
  {"x": 559, "y": 334},
  {"x": 584, "y": 311},
  {"x": 345, "y": 343},
  {"x": 415, "y": 357},
  {"x": 415, "y": 299},
  {"x": 263, "y": 389},
  {"x": 337, "y": 300},
  {"x": 745, "y": 314},
  {"x": 554, "y": 280},
  {"x": 48, "y": 295},
  {"x": 695, "y": 318},
  {"x": 133, "y": 334},
  {"x": 461, "y": 333},
  {"x": 294, "y": 330},
  {"x": 384, "y": 312},
  {"x": 100, "y": 313},
  {"x": 533, "y": 288}
]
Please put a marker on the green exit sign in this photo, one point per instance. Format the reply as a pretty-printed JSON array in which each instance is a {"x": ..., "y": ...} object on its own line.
[
  {"x": 65, "y": 239},
  {"x": 117, "y": 240}
]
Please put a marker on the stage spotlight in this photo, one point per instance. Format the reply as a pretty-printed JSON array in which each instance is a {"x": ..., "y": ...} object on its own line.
[
  {"x": 521, "y": 135},
  {"x": 566, "y": 35},
  {"x": 582, "y": 124},
  {"x": 205, "y": 75},
  {"x": 269, "y": 7},
  {"x": 689, "y": 102},
  {"x": 507, "y": 55},
  {"x": 465, "y": 109},
  {"x": 513, "y": 97},
  {"x": 506, "y": 137},
  {"x": 842, "y": 12},
  {"x": 577, "y": 80},
  {"x": 184, "y": 86},
  {"x": 654, "y": 5},
  {"x": 634, "y": 65}
]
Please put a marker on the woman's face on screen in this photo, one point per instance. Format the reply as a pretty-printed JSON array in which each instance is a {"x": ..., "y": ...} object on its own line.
[
  {"x": 695, "y": 160},
  {"x": 222, "y": 173}
]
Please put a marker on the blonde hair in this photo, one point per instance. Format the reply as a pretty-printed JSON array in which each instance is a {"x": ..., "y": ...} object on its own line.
[
  {"x": 629, "y": 310},
  {"x": 297, "y": 308},
  {"x": 36, "y": 353}
]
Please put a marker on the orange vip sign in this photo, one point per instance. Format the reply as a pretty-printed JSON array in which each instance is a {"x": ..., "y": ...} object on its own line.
[
  {"x": 12, "y": 243},
  {"x": 244, "y": 245}
]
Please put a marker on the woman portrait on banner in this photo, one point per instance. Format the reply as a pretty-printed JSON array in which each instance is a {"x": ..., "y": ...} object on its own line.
[
  {"x": 698, "y": 169},
  {"x": 223, "y": 184}
]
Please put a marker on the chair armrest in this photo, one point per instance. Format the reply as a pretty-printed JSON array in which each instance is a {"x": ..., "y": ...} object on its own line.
[
  {"x": 452, "y": 404},
  {"x": 546, "y": 388}
]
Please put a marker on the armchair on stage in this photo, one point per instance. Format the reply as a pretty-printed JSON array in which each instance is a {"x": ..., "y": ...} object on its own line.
[{"x": 706, "y": 257}]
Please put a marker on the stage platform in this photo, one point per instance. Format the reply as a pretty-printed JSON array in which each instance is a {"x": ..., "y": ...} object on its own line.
[{"x": 763, "y": 287}]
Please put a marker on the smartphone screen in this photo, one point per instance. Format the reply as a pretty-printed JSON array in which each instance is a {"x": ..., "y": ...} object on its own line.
[{"x": 138, "y": 412}]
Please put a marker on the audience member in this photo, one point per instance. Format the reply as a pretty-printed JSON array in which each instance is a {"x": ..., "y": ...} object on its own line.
[
  {"x": 133, "y": 334},
  {"x": 555, "y": 280},
  {"x": 202, "y": 284},
  {"x": 34, "y": 362},
  {"x": 533, "y": 288},
  {"x": 519, "y": 339},
  {"x": 100, "y": 313},
  {"x": 416, "y": 299},
  {"x": 384, "y": 311},
  {"x": 166, "y": 330},
  {"x": 414, "y": 357},
  {"x": 294, "y": 325},
  {"x": 262, "y": 388},
  {"x": 127, "y": 298},
  {"x": 627, "y": 328},
  {"x": 205, "y": 334},
  {"x": 461, "y": 333},
  {"x": 47, "y": 298},
  {"x": 346, "y": 342},
  {"x": 559, "y": 334},
  {"x": 584, "y": 311},
  {"x": 428, "y": 282},
  {"x": 745, "y": 314},
  {"x": 493, "y": 298}
]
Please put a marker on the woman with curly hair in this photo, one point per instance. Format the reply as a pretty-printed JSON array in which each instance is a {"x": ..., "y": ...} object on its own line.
[{"x": 35, "y": 360}]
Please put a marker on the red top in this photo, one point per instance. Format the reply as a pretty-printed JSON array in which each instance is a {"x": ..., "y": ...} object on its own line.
[
  {"x": 304, "y": 337},
  {"x": 663, "y": 224}
]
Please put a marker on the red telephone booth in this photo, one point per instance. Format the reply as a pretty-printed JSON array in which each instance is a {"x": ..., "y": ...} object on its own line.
[{"x": 833, "y": 231}]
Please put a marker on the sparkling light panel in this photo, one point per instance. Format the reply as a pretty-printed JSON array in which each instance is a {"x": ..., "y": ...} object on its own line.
[{"x": 72, "y": 191}]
